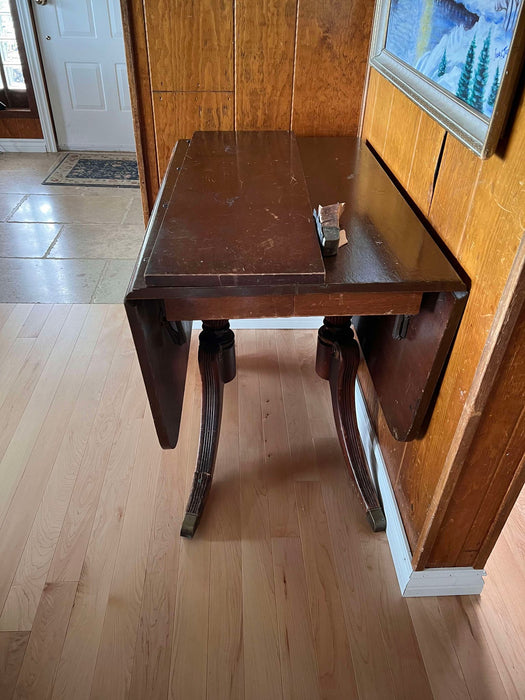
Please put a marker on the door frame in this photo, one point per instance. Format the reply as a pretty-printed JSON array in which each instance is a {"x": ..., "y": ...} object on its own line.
[{"x": 37, "y": 75}]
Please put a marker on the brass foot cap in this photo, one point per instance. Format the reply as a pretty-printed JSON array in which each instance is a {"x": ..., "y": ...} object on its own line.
[
  {"x": 189, "y": 525},
  {"x": 377, "y": 519}
]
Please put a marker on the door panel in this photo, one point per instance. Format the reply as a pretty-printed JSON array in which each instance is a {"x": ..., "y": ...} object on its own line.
[
  {"x": 115, "y": 20},
  {"x": 75, "y": 21},
  {"x": 85, "y": 86}
]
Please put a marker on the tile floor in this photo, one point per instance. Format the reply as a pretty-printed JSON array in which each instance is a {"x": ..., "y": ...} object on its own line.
[{"x": 64, "y": 244}]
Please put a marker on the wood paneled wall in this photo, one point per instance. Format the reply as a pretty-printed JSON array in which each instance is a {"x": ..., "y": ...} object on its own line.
[
  {"x": 243, "y": 64},
  {"x": 20, "y": 128},
  {"x": 454, "y": 484}
]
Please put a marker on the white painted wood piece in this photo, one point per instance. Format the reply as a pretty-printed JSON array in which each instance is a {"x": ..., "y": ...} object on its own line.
[
  {"x": 37, "y": 79},
  {"x": 22, "y": 146}
]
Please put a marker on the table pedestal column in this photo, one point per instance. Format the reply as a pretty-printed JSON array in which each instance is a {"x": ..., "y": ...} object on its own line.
[
  {"x": 217, "y": 367},
  {"x": 337, "y": 361}
]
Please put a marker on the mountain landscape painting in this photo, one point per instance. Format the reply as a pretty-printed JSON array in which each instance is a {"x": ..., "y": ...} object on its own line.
[{"x": 460, "y": 46}]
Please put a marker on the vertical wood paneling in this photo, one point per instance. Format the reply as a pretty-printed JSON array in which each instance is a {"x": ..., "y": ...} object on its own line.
[
  {"x": 331, "y": 60},
  {"x": 397, "y": 151},
  {"x": 375, "y": 127},
  {"x": 137, "y": 59},
  {"x": 490, "y": 466},
  {"x": 477, "y": 208},
  {"x": 190, "y": 44},
  {"x": 179, "y": 114},
  {"x": 455, "y": 188},
  {"x": 264, "y": 57},
  {"x": 425, "y": 158},
  {"x": 20, "y": 128},
  {"x": 244, "y": 64}
]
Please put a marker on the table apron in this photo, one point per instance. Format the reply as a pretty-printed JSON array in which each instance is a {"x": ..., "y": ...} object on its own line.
[{"x": 282, "y": 306}]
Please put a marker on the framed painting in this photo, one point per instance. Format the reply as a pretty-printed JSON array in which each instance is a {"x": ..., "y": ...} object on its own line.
[{"x": 459, "y": 61}]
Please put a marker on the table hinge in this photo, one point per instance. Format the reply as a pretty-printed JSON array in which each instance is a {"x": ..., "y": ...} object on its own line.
[{"x": 400, "y": 327}]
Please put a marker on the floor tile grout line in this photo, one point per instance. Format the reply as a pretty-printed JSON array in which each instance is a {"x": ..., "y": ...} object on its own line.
[
  {"x": 97, "y": 285},
  {"x": 53, "y": 242},
  {"x": 16, "y": 207}
]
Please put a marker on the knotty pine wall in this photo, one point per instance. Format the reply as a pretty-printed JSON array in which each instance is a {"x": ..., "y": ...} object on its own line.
[
  {"x": 20, "y": 128},
  {"x": 454, "y": 484},
  {"x": 243, "y": 64}
]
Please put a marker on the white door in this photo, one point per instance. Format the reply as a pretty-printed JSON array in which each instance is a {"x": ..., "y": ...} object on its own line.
[{"x": 85, "y": 67}]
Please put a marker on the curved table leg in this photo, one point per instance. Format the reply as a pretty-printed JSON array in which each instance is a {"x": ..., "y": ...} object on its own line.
[
  {"x": 217, "y": 367},
  {"x": 337, "y": 361}
]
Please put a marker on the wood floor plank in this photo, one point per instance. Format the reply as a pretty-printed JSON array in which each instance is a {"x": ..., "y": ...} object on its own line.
[
  {"x": 11, "y": 365},
  {"x": 151, "y": 665},
  {"x": 514, "y": 537},
  {"x": 32, "y": 572},
  {"x": 334, "y": 659},
  {"x": 74, "y": 536},
  {"x": 468, "y": 639},
  {"x": 405, "y": 657},
  {"x": 498, "y": 621},
  {"x": 11, "y": 325},
  {"x": 39, "y": 465},
  {"x": 112, "y": 676},
  {"x": 296, "y": 414},
  {"x": 79, "y": 654},
  {"x": 18, "y": 392},
  {"x": 441, "y": 661},
  {"x": 359, "y": 594},
  {"x": 262, "y": 666},
  {"x": 225, "y": 628},
  {"x": 189, "y": 654},
  {"x": 12, "y": 649},
  {"x": 279, "y": 466},
  {"x": 28, "y": 432},
  {"x": 298, "y": 661},
  {"x": 5, "y": 312},
  {"x": 45, "y": 643},
  {"x": 507, "y": 558},
  {"x": 398, "y": 636},
  {"x": 35, "y": 321}
]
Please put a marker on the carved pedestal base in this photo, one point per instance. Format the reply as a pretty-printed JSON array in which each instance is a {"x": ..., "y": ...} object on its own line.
[
  {"x": 337, "y": 361},
  {"x": 217, "y": 367}
]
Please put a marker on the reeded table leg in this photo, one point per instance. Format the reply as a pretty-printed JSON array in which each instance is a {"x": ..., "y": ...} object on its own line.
[
  {"x": 337, "y": 361},
  {"x": 217, "y": 367}
]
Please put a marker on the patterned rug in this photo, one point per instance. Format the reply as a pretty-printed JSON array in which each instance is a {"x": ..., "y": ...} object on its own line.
[{"x": 95, "y": 170}]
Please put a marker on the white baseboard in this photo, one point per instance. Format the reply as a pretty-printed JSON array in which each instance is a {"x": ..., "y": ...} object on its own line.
[
  {"x": 429, "y": 582},
  {"x": 90, "y": 148},
  {"x": 23, "y": 146},
  {"x": 261, "y": 323}
]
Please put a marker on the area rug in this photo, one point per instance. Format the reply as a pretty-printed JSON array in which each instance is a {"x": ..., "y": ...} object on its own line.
[{"x": 95, "y": 170}]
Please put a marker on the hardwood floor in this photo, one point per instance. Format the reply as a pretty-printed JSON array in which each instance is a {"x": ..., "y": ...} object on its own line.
[{"x": 284, "y": 592}]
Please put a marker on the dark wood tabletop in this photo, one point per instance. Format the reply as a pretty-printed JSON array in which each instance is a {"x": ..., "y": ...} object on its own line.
[
  {"x": 389, "y": 249},
  {"x": 246, "y": 190}
]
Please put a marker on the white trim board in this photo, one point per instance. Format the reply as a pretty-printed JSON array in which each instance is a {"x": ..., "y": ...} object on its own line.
[
  {"x": 37, "y": 75},
  {"x": 22, "y": 146},
  {"x": 262, "y": 323},
  {"x": 413, "y": 584}
]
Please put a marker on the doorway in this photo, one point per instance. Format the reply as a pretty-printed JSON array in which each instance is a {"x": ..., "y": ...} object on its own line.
[{"x": 82, "y": 48}]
